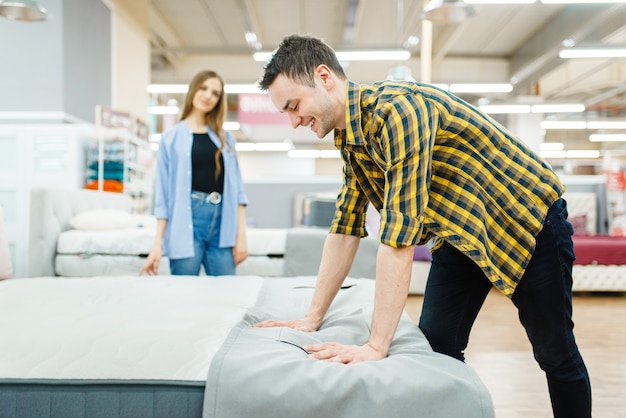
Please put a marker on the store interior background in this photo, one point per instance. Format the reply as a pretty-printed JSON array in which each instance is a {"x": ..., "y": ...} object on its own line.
[{"x": 132, "y": 57}]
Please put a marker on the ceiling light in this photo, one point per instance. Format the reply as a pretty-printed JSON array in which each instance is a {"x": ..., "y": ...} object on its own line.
[
  {"x": 231, "y": 126},
  {"x": 481, "y": 88},
  {"x": 369, "y": 55},
  {"x": 551, "y": 146},
  {"x": 558, "y": 108},
  {"x": 241, "y": 88},
  {"x": 604, "y": 52},
  {"x": 500, "y": 1},
  {"x": 581, "y": 1},
  {"x": 182, "y": 88},
  {"x": 447, "y": 11},
  {"x": 304, "y": 153},
  {"x": 492, "y": 109},
  {"x": 264, "y": 146},
  {"x": 570, "y": 154},
  {"x": 563, "y": 124},
  {"x": 606, "y": 125},
  {"x": 163, "y": 110},
  {"x": 167, "y": 88},
  {"x": 607, "y": 137},
  {"x": 582, "y": 153},
  {"x": 24, "y": 10}
]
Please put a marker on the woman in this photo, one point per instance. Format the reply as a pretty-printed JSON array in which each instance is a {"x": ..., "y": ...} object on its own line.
[{"x": 199, "y": 196}]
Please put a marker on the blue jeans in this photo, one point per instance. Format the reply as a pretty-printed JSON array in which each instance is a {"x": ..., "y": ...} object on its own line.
[
  {"x": 206, "y": 236},
  {"x": 457, "y": 288}
]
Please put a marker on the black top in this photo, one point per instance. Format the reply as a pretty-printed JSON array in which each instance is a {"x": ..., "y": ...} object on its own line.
[{"x": 203, "y": 177}]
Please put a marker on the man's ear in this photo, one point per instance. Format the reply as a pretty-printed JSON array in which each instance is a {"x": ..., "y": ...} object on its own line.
[{"x": 326, "y": 76}]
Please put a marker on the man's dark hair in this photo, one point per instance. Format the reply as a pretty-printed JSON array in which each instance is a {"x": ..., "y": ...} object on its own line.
[{"x": 297, "y": 57}]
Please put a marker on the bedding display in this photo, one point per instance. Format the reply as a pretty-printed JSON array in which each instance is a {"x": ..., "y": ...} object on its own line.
[
  {"x": 184, "y": 347},
  {"x": 600, "y": 264},
  {"x": 111, "y": 252}
]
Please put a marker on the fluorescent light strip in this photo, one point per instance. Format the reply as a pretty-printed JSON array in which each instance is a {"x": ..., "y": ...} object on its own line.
[
  {"x": 581, "y": 124},
  {"x": 253, "y": 88},
  {"x": 563, "y": 124},
  {"x": 264, "y": 146},
  {"x": 570, "y": 154},
  {"x": 493, "y": 109},
  {"x": 481, "y": 88},
  {"x": 380, "y": 55},
  {"x": 314, "y": 153},
  {"x": 163, "y": 110},
  {"x": 558, "y": 108},
  {"x": 182, "y": 88},
  {"x": 545, "y": 108},
  {"x": 231, "y": 126},
  {"x": 551, "y": 146},
  {"x": 581, "y": 1},
  {"x": 607, "y": 52},
  {"x": 500, "y": 1},
  {"x": 607, "y": 138},
  {"x": 606, "y": 125}
]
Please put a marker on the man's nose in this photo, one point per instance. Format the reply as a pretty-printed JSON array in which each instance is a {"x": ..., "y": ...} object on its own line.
[{"x": 295, "y": 121}]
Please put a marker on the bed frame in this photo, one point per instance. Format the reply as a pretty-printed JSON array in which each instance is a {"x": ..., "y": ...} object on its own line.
[{"x": 50, "y": 212}]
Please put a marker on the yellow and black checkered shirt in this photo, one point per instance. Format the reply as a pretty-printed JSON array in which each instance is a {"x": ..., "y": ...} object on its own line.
[{"x": 435, "y": 166}]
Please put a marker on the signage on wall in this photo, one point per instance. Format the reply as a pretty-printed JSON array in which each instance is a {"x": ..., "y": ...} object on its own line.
[{"x": 258, "y": 109}]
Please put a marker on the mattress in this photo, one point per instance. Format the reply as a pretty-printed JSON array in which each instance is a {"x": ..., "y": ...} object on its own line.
[
  {"x": 109, "y": 252},
  {"x": 599, "y": 249},
  {"x": 109, "y": 344},
  {"x": 128, "y": 241},
  {"x": 184, "y": 347},
  {"x": 266, "y": 252}
]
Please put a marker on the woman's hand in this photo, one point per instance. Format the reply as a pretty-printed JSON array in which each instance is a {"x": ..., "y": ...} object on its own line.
[{"x": 151, "y": 266}]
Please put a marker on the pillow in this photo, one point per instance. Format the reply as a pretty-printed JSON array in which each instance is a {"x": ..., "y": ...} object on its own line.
[
  {"x": 579, "y": 223},
  {"x": 102, "y": 219}
]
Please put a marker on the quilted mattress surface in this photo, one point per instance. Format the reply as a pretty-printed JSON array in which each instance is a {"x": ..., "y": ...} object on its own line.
[
  {"x": 119, "y": 328},
  {"x": 129, "y": 241}
]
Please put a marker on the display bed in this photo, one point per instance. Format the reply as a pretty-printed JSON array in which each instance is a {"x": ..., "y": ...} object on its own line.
[
  {"x": 600, "y": 263},
  {"x": 184, "y": 347}
]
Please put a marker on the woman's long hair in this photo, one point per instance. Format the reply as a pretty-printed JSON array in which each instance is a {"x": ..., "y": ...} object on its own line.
[{"x": 214, "y": 118}]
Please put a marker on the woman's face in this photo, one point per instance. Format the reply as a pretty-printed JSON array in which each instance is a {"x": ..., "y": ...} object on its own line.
[{"x": 207, "y": 95}]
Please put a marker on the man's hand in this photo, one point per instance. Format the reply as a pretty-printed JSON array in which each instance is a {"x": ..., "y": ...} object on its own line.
[
  {"x": 298, "y": 324},
  {"x": 346, "y": 354}
]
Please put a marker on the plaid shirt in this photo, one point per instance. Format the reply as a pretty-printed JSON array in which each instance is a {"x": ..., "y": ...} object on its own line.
[{"x": 434, "y": 166}]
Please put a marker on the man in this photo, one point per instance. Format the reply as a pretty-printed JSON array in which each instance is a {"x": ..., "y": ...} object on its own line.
[{"x": 435, "y": 167}]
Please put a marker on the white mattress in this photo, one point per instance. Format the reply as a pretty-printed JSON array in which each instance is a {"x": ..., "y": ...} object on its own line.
[
  {"x": 266, "y": 241},
  {"x": 129, "y": 241},
  {"x": 88, "y": 265},
  {"x": 119, "y": 328}
]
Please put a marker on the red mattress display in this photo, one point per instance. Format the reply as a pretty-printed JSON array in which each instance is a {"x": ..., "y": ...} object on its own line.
[{"x": 599, "y": 249}]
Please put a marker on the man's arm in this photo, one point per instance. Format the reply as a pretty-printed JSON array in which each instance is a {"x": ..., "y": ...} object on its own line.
[
  {"x": 393, "y": 274},
  {"x": 337, "y": 256}
]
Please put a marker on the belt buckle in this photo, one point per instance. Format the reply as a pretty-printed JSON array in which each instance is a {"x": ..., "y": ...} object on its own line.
[{"x": 215, "y": 198}]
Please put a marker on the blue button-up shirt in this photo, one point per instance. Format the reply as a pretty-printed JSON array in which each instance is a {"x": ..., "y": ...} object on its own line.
[{"x": 173, "y": 190}]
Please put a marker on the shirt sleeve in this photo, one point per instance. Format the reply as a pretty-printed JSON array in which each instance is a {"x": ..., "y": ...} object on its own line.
[
  {"x": 407, "y": 129},
  {"x": 351, "y": 205},
  {"x": 162, "y": 180}
]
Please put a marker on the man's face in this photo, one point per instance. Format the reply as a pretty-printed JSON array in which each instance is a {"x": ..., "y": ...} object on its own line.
[{"x": 306, "y": 106}]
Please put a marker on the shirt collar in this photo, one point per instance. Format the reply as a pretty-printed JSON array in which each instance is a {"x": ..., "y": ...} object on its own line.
[{"x": 353, "y": 134}]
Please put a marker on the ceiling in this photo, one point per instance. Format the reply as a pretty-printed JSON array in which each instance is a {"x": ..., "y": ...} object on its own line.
[{"x": 517, "y": 43}]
